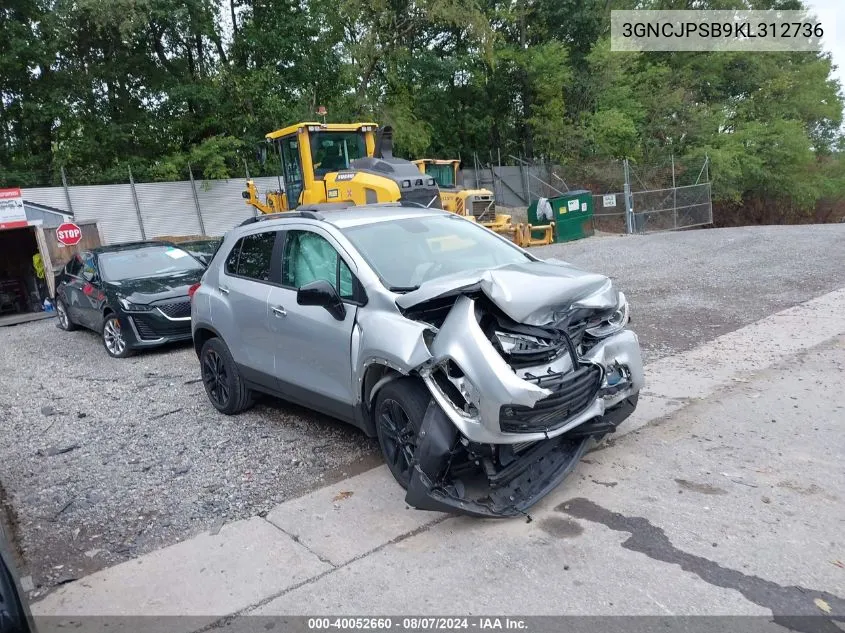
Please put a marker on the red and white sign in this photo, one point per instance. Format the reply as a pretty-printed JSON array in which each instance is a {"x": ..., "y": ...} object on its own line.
[
  {"x": 68, "y": 234},
  {"x": 12, "y": 214}
]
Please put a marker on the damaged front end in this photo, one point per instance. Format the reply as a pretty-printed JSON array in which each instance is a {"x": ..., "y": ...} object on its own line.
[{"x": 520, "y": 386}]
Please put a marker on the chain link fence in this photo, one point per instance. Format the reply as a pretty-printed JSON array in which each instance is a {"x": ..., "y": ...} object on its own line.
[{"x": 628, "y": 197}]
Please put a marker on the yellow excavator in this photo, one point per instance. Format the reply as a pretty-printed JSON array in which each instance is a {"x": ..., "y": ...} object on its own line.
[
  {"x": 340, "y": 162},
  {"x": 479, "y": 204}
]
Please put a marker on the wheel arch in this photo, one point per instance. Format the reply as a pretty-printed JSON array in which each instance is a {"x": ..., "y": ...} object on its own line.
[
  {"x": 376, "y": 376},
  {"x": 202, "y": 334}
]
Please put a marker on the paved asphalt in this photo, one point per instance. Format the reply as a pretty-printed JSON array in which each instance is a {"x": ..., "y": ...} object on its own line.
[{"x": 732, "y": 505}]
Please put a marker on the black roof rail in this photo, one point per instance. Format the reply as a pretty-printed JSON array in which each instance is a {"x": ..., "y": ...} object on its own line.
[
  {"x": 323, "y": 206},
  {"x": 263, "y": 216},
  {"x": 310, "y": 211}
]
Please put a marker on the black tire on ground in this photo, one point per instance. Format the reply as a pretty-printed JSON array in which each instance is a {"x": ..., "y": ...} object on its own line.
[
  {"x": 223, "y": 382},
  {"x": 398, "y": 415},
  {"x": 112, "y": 337},
  {"x": 63, "y": 320}
]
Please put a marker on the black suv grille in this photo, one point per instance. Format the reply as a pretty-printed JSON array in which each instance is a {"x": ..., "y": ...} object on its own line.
[
  {"x": 144, "y": 330},
  {"x": 178, "y": 310},
  {"x": 151, "y": 326},
  {"x": 573, "y": 392}
]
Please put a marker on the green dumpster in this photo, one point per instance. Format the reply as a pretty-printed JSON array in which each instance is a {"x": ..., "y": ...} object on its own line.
[{"x": 572, "y": 214}]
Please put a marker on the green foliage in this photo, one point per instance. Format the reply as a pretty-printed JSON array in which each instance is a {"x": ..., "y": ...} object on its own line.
[
  {"x": 97, "y": 86},
  {"x": 217, "y": 157}
]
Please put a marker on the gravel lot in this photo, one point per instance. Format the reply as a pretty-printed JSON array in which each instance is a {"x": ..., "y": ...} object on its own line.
[
  {"x": 692, "y": 286},
  {"x": 102, "y": 460}
]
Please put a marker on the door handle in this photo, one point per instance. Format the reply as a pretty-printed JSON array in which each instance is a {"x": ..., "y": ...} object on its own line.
[
  {"x": 279, "y": 311},
  {"x": 223, "y": 289}
]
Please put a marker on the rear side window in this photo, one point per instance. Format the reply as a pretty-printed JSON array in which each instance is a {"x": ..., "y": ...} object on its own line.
[
  {"x": 74, "y": 266},
  {"x": 232, "y": 259},
  {"x": 89, "y": 270},
  {"x": 251, "y": 256}
]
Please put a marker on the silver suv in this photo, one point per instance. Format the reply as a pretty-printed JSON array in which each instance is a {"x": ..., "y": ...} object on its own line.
[{"x": 483, "y": 371}]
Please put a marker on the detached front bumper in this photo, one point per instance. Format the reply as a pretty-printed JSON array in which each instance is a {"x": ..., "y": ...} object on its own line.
[
  {"x": 528, "y": 431},
  {"x": 502, "y": 492}
]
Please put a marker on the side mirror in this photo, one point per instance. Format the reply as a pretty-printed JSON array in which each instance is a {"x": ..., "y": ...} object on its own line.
[{"x": 322, "y": 293}]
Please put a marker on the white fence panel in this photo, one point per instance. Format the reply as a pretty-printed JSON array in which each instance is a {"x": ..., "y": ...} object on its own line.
[
  {"x": 112, "y": 206},
  {"x": 49, "y": 196},
  {"x": 168, "y": 208}
]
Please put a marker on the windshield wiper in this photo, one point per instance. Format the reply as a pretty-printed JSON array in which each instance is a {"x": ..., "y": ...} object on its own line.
[{"x": 402, "y": 288}]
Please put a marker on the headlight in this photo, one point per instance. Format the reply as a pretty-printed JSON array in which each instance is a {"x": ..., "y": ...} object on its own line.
[
  {"x": 616, "y": 322},
  {"x": 134, "y": 307}
]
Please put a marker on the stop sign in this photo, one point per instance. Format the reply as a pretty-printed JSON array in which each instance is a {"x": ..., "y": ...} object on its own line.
[{"x": 68, "y": 234}]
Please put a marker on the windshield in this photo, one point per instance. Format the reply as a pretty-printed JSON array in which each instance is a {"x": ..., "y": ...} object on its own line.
[
  {"x": 408, "y": 252},
  {"x": 443, "y": 174},
  {"x": 147, "y": 261},
  {"x": 333, "y": 151}
]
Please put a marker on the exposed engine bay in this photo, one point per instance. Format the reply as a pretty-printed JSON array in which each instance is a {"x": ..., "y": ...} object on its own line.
[{"x": 519, "y": 389}]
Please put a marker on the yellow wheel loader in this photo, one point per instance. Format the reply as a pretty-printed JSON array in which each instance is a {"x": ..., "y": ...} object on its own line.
[
  {"x": 479, "y": 204},
  {"x": 340, "y": 162}
]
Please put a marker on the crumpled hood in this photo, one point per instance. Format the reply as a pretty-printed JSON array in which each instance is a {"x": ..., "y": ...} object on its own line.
[{"x": 533, "y": 293}]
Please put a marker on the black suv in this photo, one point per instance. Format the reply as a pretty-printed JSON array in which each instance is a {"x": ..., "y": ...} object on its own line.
[{"x": 135, "y": 295}]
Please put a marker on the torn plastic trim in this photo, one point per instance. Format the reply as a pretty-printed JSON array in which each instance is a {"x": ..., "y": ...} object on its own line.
[
  {"x": 476, "y": 432},
  {"x": 620, "y": 350},
  {"x": 542, "y": 468},
  {"x": 489, "y": 382}
]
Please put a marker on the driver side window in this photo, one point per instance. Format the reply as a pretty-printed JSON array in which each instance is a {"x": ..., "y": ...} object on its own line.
[{"x": 309, "y": 257}]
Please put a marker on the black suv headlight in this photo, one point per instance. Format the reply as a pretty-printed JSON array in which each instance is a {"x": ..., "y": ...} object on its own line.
[
  {"x": 615, "y": 323},
  {"x": 134, "y": 307}
]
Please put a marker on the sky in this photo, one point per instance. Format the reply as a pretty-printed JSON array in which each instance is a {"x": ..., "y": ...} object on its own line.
[{"x": 834, "y": 38}]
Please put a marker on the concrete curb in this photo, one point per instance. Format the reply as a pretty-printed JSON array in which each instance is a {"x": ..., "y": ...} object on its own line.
[{"x": 250, "y": 563}]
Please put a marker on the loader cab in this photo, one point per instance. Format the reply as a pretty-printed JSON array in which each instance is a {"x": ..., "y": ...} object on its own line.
[
  {"x": 307, "y": 152},
  {"x": 444, "y": 172}
]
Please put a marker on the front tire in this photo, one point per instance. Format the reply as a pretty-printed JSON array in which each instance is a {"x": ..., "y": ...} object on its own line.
[
  {"x": 64, "y": 321},
  {"x": 223, "y": 383},
  {"x": 398, "y": 415},
  {"x": 113, "y": 339}
]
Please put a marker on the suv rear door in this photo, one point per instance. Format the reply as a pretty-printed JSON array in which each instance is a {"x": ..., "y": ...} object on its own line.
[
  {"x": 313, "y": 349},
  {"x": 244, "y": 284}
]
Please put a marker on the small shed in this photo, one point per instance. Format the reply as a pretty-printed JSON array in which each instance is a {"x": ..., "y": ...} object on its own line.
[{"x": 30, "y": 253}]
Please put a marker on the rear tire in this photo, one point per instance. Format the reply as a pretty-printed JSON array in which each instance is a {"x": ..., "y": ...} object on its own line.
[
  {"x": 222, "y": 380},
  {"x": 64, "y": 321},
  {"x": 398, "y": 415}
]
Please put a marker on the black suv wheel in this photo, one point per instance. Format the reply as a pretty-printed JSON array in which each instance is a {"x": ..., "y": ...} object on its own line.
[
  {"x": 223, "y": 382},
  {"x": 398, "y": 415}
]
